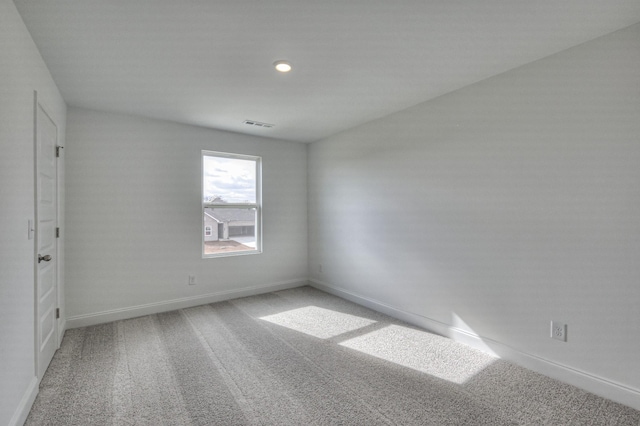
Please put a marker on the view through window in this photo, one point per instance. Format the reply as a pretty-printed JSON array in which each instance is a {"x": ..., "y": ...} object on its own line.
[{"x": 230, "y": 204}]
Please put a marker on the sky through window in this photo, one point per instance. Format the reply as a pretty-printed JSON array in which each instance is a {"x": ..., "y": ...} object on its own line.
[{"x": 231, "y": 179}]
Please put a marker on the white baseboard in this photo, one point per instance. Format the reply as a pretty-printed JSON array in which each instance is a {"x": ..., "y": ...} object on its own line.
[
  {"x": 590, "y": 382},
  {"x": 171, "y": 305},
  {"x": 22, "y": 411}
]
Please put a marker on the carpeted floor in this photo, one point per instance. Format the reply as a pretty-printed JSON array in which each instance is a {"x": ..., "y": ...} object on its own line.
[{"x": 295, "y": 357}]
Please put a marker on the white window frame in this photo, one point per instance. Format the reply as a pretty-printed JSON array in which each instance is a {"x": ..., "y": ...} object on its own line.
[{"x": 257, "y": 205}]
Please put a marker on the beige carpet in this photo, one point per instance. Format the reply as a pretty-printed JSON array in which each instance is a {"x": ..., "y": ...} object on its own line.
[{"x": 295, "y": 357}]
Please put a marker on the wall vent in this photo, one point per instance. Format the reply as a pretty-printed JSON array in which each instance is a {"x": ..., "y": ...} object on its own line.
[{"x": 258, "y": 124}]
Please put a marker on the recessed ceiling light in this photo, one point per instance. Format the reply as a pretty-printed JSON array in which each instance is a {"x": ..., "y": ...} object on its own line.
[{"x": 282, "y": 66}]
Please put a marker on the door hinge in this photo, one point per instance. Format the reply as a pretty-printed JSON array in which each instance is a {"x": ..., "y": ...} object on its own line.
[
  {"x": 57, "y": 232},
  {"x": 58, "y": 148},
  {"x": 57, "y": 313}
]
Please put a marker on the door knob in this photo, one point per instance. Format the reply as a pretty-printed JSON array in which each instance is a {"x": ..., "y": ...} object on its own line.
[{"x": 46, "y": 258}]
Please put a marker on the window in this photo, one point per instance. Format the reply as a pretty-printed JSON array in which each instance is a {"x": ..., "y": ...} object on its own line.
[{"x": 231, "y": 204}]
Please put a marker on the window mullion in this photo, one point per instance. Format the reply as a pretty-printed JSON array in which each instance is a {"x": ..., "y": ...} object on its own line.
[{"x": 230, "y": 206}]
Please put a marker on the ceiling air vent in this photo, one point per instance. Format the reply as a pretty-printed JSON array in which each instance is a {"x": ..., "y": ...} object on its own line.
[{"x": 258, "y": 124}]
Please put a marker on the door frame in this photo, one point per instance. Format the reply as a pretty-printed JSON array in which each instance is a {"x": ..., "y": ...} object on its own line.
[{"x": 39, "y": 104}]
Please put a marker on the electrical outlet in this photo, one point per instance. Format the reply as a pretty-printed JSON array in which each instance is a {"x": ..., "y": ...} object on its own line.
[
  {"x": 192, "y": 280},
  {"x": 559, "y": 331}
]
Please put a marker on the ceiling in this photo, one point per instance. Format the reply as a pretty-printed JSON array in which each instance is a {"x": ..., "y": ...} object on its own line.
[{"x": 209, "y": 62}]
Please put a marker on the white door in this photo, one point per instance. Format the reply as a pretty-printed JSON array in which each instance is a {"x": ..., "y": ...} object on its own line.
[{"x": 46, "y": 255}]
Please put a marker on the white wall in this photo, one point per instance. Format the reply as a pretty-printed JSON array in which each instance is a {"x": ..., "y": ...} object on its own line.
[
  {"x": 134, "y": 218},
  {"x": 499, "y": 207},
  {"x": 22, "y": 71}
]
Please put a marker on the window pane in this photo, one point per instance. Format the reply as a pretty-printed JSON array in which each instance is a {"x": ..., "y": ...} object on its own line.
[
  {"x": 229, "y": 180},
  {"x": 231, "y": 230}
]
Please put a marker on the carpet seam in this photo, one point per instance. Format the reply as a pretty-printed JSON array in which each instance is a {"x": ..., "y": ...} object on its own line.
[
  {"x": 223, "y": 326},
  {"x": 317, "y": 367},
  {"x": 233, "y": 387}
]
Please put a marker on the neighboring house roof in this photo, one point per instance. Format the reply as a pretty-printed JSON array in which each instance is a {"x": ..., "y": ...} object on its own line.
[
  {"x": 231, "y": 215},
  {"x": 208, "y": 215}
]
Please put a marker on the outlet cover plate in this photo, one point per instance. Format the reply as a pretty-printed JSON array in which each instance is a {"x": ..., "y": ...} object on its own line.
[{"x": 559, "y": 331}]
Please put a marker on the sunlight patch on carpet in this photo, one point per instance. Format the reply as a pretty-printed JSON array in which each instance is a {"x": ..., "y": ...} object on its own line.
[
  {"x": 422, "y": 351},
  {"x": 318, "y": 322}
]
